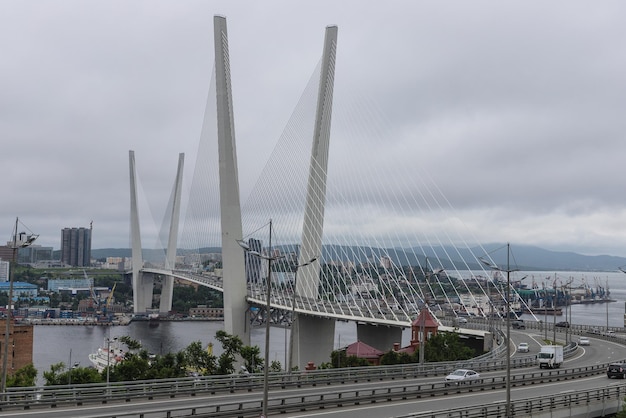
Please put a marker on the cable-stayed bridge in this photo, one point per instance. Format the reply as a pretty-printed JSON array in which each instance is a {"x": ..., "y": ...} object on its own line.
[{"x": 343, "y": 243}]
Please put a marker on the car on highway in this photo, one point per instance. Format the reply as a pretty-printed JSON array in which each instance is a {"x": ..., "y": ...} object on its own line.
[
  {"x": 562, "y": 324},
  {"x": 523, "y": 348},
  {"x": 462, "y": 375},
  {"x": 584, "y": 341},
  {"x": 518, "y": 324},
  {"x": 616, "y": 370}
]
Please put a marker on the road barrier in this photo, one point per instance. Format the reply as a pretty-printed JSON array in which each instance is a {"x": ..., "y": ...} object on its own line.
[{"x": 284, "y": 404}]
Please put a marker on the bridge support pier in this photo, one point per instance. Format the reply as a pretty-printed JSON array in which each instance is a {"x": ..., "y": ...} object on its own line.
[
  {"x": 313, "y": 340},
  {"x": 377, "y": 336},
  {"x": 145, "y": 288}
]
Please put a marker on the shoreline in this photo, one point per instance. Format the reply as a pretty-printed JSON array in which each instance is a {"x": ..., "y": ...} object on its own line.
[{"x": 124, "y": 321}]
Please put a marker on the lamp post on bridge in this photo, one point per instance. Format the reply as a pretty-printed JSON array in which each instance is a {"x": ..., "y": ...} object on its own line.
[
  {"x": 554, "y": 312},
  {"x": 268, "y": 301},
  {"x": 568, "y": 309},
  {"x": 293, "y": 310},
  {"x": 422, "y": 317},
  {"x": 20, "y": 240},
  {"x": 508, "y": 322}
]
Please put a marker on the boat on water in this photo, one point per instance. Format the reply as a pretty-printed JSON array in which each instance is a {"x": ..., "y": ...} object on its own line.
[
  {"x": 152, "y": 317},
  {"x": 543, "y": 311},
  {"x": 110, "y": 354}
]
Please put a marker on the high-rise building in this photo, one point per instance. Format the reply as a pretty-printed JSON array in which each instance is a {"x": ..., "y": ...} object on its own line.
[
  {"x": 21, "y": 341},
  {"x": 33, "y": 254},
  {"x": 6, "y": 253},
  {"x": 4, "y": 271},
  {"x": 76, "y": 246}
]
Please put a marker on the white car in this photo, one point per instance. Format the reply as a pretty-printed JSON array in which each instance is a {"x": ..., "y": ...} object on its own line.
[
  {"x": 523, "y": 348},
  {"x": 584, "y": 341},
  {"x": 462, "y": 375}
]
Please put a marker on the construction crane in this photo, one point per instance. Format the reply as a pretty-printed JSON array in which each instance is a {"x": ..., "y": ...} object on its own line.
[
  {"x": 107, "y": 305},
  {"x": 95, "y": 304}
]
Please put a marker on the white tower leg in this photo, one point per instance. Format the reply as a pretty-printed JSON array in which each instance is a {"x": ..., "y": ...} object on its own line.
[
  {"x": 234, "y": 278},
  {"x": 142, "y": 286},
  {"x": 308, "y": 277},
  {"x": 167, "y": 290}
]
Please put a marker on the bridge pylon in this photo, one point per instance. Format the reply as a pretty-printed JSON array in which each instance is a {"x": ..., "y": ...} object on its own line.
[
  {"x": 313, "y": 337},
  {"x": 234, "y": 274},
  {"x": 143, "y": 284},
  {"x": 167, "y": 290}
]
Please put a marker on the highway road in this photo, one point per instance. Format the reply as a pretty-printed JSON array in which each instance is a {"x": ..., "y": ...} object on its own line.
[{"x": 599, "y": 352}]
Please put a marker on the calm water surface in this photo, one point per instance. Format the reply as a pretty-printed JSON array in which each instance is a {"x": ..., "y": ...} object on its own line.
[{"x": 72, "y": 344}]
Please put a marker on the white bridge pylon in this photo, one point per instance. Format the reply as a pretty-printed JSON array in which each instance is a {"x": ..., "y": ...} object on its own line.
[
  {"x": 143, "y": 284},
  {"x": 313, "y": 336}
]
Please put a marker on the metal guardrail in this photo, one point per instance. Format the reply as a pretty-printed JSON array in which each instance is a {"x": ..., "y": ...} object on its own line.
[
  {"x": 15, "y": 398},
  {"x": 403, "y": 391},
  {"x": 20, "y": 397},
  {"x": 607, "y": 400}
]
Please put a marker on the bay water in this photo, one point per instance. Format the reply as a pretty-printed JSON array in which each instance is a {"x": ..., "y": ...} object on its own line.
[{"x": 72, "y": 344}]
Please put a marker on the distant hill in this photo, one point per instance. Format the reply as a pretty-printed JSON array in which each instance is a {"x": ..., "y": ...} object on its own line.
[
  {"x": 149, "y": 254},
  {"x": 534, "y": 258},
  {"x": 528, "y": 258}
]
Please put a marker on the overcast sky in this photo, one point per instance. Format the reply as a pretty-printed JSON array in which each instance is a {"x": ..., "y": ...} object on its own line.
[{"x": 516, "y": 109}]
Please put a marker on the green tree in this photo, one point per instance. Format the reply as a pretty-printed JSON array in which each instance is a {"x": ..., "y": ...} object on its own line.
[
  {"x": 252, "y": 360},
  {"x": 131, "y": 343},
  {"x": 446, "y": 346},
  {"x": 52, "y": 376},
  {"x": 232, "y": 346},
  {"x": 186, "y": 297},
  {"x": 199, "y": 360},
  {"x": 134, "y": 367},
  {"x": 23, "y": 377},
  {"x": 81, "y": 375},
  {"x": 170, "y": 365},
  {"x": 354, "y": 361},
  {"x": 54, "y": 300},
  {"x": 275, "y": 366},
  {"x": 58, "y": 375},
  {"x": 390, "y": 357},
  {"x": 338, "y": 359}
]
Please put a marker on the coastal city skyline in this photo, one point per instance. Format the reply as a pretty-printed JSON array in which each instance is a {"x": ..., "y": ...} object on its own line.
[{"x": 514, "y": 114}]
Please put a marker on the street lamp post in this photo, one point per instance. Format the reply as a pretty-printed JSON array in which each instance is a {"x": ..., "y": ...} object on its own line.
[
  {"x": 293, "y": 310},
  {"x": 268, "y": 301},
  {"x": 108, "y": 357},
  {"x": 554, "y": 300},
  {"x": 508, "y": 323},
  {"x": 568, "y": 310},
  {"x": 21, "y": 241},
  {"x": 545, "y": 314},
  {"x": 422, "y": 332}
]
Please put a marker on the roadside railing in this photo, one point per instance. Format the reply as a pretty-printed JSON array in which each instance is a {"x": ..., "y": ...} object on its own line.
[
  {"x": 603, "y": 401},
  {"x": 78, "y": 394},
  {"x": 285, "y": 402},
  {"x": 148, "y": 389}
]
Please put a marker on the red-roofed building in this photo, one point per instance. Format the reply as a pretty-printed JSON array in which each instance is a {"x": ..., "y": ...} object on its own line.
[
  {"x": 424, "y": 326},
  {"x": 365, "y": 351}
]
